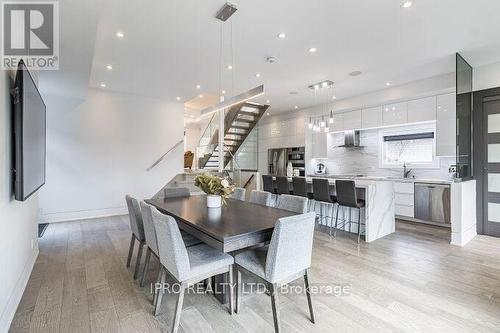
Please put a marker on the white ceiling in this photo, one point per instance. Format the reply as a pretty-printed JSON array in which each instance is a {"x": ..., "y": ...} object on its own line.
[{"x": 171, "y": 45}]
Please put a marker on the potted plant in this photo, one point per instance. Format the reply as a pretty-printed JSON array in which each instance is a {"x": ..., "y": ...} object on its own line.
[{"x": 218, "y": 189}]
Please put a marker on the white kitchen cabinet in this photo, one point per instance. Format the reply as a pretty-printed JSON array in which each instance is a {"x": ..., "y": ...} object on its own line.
[
  {"x": 371, "y": 117},
  {"x": 338, "y": 123},
  {"x": 395, "y": 114},
  {"x": 352, "y": 120},
  {"x": 319, "y": 145},
  {"x": 446, "y": 125},
  {"x": 423, "y": 109},
  {"x": 404, "y": 199}
]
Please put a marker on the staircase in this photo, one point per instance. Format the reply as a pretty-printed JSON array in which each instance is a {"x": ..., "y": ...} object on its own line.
[{"x": 238, "y": 123}]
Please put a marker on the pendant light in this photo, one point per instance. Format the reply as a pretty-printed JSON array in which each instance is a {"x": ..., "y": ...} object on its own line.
[
  {"x": 310, "y": 123},
  {"x": 331, "y": 117}
]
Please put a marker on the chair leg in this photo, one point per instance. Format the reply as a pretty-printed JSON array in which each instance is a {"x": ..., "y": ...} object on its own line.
[
  {"x": 146, "y": 265},
  {"x": 238, "y": 290},
  {"x": 336, "y": 222},
  {"x": 308, "y": 294},
  {"x": 138, "y": 262},
  {"x": 331, "y": 220},
  {"x": 350, "y": 219},
  {"x": 158, "y": 280},
  {"x": 275, "y": 306},
  {"x": 160, "y": 292},
  {"x": 178, "y": 309},
  {"x": 231, "y": 291},
  {"x": 130, "y": 250}
]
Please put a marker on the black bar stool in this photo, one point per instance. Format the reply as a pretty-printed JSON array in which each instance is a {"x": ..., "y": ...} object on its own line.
[
  {"x": 347, "y": 197},
  {"x": 321, "y": 194},
  {"x": 300, "y": 189},
  {"x": 282, "y": 185},
  {"x": 268, "y": 184}
]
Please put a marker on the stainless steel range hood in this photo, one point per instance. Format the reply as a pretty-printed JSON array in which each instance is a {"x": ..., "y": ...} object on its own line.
[{"x": 351, "y": 139}]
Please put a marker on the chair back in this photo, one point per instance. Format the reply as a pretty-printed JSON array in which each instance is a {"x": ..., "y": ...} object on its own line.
[
  {"x": 346, "y": 193},
  {"x": 176, "y": 192},
  {"x": 149, "y": 228},
  {"x": 261, "y": 198},
  {"x": 292, "y": 203},
  {"x": 321, "y": 190},
  {"x": 239, "y": 194},
  {"x": 282, "y": 186},
  {"x": 291, "y": 247},
  {"x": 299, "y": 186},
  {"x": 267, "y": 183},
  {"x": 171, "y": 249},
  {"x": 135, "y": 217}
]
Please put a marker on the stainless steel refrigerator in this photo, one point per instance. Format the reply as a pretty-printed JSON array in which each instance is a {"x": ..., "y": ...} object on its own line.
[{"x": 278, "y": 160}]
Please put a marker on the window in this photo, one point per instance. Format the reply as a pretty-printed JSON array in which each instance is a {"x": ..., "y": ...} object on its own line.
[{"x": 415, "y": 149}]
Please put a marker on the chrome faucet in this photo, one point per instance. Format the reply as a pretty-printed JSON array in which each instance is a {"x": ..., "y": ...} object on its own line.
[{"x": 406, "y": 172}]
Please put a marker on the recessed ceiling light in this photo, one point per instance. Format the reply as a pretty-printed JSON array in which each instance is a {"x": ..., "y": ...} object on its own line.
[
  {"x": 120, "y": 34},
  {"x": 257, "y": 75},
  {"x": 388, "y": 83},
  {"x": 296, "y": 107},
  {"x": 223, "y": 91},
  {"x": 198, "y": 86},
  {"x": 407, "y": 4},
  {"x": 313, "y": 50},
  {"x": 281, "y": 35},
  {"x": 268, "y": 113},
  {"x": 293, "y": 93},
  {"x": 355, "y": 73},
  {"x": 268, "y": 101},
  {"x": 102, "y": 85},
  {"x": 334, "y": 97},
  {"x": 109, "y": 67},
  {"x": 200, "y": 95},
  {"x": 229, "y": 67},
  {"x": 178, "y": 98}
]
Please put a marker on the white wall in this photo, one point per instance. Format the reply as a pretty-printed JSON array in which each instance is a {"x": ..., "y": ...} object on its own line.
[
  {"x": 98, "y": 150},
  {"x": 18, "y": 245},
  {"x": 486, "y": 77}
]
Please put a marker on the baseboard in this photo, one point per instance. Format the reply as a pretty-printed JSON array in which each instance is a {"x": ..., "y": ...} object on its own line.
[
  {"x": 17, "y": 294},
  {"x": 82, "y": 215},
  {"x": 464, "y": 237}
]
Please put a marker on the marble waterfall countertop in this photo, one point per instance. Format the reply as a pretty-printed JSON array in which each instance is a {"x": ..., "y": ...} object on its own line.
[
  {"x": 378, "y": 214},
  {"x": 382, "y": 178}
]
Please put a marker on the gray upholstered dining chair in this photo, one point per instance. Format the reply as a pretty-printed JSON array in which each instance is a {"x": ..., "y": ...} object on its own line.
[
  {"x": 261, "y": 198},
  {"x": 239, "y": 194},
  {"x": 151, "y": 240},
  {"x": 187, "y": 265},
  {"x": 285, "y": 259},
  {"x": 137, "y": 226},
  {"x": 292, "y": 203}
]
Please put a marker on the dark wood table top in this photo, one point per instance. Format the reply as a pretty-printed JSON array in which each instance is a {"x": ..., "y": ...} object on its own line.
[{"x": 236, "y": 226}]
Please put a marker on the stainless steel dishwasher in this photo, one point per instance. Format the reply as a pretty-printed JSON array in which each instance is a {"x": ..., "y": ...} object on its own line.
[{"x": 432, "y": 203}]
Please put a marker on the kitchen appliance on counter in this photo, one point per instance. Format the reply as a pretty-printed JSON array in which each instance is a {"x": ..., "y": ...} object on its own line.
[
  {"x": 432, "y": 203},
  {"x": 320, "y": 169},
  {"x": 278, "y": 160}
]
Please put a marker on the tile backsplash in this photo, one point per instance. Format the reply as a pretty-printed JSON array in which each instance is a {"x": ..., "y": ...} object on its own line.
[{"x": 365, "y": 160}]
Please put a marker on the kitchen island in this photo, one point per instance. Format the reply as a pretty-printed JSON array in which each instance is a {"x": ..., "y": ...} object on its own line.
[{"x": 378, "y": 214}]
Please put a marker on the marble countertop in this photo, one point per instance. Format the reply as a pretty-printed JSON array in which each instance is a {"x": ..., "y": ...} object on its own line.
[{"x": 392, "y": 179}]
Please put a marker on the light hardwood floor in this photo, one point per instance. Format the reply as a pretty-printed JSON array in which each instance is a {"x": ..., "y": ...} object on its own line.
[{"x": 410, "y": 281}]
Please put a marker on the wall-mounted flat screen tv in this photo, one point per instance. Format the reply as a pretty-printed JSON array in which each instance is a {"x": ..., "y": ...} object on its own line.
[{"x": 29, "y": 135}]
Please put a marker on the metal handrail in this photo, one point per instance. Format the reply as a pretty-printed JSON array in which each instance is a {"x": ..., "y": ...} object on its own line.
[
  {"x": 206, "y": 128},
  {"x": 164, "y": 155}
]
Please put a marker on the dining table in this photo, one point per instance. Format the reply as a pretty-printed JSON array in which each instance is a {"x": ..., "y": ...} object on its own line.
[{"x": 232, "y": 228}]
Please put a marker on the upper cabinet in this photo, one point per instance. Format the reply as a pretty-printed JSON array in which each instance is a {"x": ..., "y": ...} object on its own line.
[
  {"x": 372, "y": 117},
  {"x": 352, "y": 120},
  {"x": 395, "y": 114},
  {"x": 446, "y": 130},
  {"x": 423, "y": 109}
]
